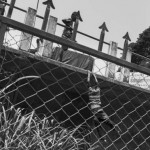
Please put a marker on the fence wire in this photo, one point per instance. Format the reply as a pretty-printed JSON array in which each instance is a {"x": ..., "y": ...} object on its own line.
[{"x": 45, "y": 104}]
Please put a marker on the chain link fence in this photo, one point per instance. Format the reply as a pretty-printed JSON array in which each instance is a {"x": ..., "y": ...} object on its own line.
[{"x": 49, "y": 102}]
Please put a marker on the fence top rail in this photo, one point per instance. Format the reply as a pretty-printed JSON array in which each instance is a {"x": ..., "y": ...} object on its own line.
[
  {"x": 39, "y": 33},
  {"x": 41, "y": 17},
  {"x": 84, "y": 34}
]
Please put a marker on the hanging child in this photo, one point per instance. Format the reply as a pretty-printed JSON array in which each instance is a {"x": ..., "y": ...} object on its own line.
[{"x": 95, "y": 105}]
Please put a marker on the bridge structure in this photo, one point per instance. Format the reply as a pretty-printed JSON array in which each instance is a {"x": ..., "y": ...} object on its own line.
[{"x": 60, "y": 90}]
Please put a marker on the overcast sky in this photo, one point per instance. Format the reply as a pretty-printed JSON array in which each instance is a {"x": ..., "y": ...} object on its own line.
[{"x": 120, "y": 16}]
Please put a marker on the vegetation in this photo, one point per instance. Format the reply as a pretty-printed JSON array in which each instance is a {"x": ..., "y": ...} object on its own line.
[
  {"x": 142, "y": 46},
  {"x": 21, "y": 132}
]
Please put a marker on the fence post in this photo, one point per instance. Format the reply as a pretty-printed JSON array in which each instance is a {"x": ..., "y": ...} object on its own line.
[
  {"x": 125, "y": 49},
  {"x": 110, "y": 67},
  {"x": 76, "y": 17},
  {"x": 51, "y": 28},
  {"x": 9, "y": 14},
  {"x": 49, "y": 4},
  {"x": 125, "y": 72},
  {"x": 26, "y": 38},
  {"x": 104, "y": 28},
  {"x": 3, "y": 29}
]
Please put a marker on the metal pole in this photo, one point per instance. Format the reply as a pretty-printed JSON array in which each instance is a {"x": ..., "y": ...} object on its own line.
[
  {"x": 37, "y": 5},
  {"x": 76, "y": 17},
  {"x": 75, "y": 29},
  {"x": 125, "y": 49},
  {"x": 9, "y": 14},
  {"x": 49, "y": 4},
  {"x": 104, "y": 28}
]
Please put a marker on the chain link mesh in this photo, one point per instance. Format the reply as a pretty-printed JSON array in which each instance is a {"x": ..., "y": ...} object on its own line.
[{"x": 51, "y": 90}]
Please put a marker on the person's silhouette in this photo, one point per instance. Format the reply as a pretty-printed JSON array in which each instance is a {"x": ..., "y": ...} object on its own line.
[{"x": 95, "y": 105}]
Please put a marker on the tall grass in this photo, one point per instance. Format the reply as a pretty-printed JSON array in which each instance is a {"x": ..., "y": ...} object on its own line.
[{"x": 28, "y": 132}]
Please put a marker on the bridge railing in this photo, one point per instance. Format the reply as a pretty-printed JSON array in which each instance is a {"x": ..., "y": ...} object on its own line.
[
  {"x": 105, "y": 68},
  {"x": 13, "y": 38}
]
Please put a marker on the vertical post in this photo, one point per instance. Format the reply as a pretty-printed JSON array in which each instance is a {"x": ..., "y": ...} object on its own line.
[
  {"x": 3, "y": 28},
  {"x": 110, "y": 69},
  {"x": 26, "y": 38},
  {"x": 51, "y": 28},
  {"x": 49, "y": 4},
  {"x": 9, "y": 14},
  {"x": 104, "y": 28},
  {"x": 75, "y": 29},
  {"x": 125, "y": 49},
  {"x": 76, "y": 17},
  {"x": 125, "y": 72}
]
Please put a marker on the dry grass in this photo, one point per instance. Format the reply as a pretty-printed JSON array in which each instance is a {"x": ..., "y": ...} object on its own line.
[
  {"x": 21, "y": 132},
  {"x": 28, "y": 132}
]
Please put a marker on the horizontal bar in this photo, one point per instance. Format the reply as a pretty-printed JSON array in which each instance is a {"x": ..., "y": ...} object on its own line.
[
  {"x": 89, "y": 36},
  {"x": 39, "y": 33}
]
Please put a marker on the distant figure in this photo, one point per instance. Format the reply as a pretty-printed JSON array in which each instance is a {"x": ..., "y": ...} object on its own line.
[
  {"x": 95, "y": 105},
  {"x": 2, "y": 7},
  {"x": 68, "y": 30}
]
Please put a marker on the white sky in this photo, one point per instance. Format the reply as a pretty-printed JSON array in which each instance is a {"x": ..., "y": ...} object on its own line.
[{"x": 120, "y": 16}]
